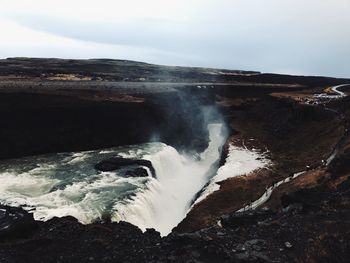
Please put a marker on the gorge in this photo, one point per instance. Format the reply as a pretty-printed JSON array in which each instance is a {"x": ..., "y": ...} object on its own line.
[{"x": 211, "y": 163}]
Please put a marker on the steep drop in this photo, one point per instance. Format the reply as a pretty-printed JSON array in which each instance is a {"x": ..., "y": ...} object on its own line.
[
  {"x": 65, "y": 184},
  {"x": 179, "y": 178}
]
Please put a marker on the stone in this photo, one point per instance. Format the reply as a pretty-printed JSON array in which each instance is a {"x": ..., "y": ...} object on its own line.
[
  {"x": 288, "y": 245},
  {"x": 137, "y": 172},
  {"x": 116, "y": 163},
  {"x": 15, "y": 222},
  {"x": 240, "y": 247},
  {"x": 195, "y": 254}
]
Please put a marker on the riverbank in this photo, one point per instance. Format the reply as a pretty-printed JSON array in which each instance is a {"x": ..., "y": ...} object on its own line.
[
  {"x": 293, "y": 136},
  {"x": 58, "y": 105},
  {"x": 312, "y": 227}
]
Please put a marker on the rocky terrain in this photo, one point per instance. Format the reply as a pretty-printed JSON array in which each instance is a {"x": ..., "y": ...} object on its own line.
[{"x": 49, "y": 105}]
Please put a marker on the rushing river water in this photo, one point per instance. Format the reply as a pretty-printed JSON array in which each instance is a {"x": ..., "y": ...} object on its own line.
[{"x": 68, "y": 184}]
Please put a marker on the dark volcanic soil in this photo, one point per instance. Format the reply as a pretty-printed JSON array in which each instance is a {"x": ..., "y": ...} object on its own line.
[
  {"x": 312, "y": 227},
  {"x": 296, "y": 136},
  {"x": 51, "y": 105}
]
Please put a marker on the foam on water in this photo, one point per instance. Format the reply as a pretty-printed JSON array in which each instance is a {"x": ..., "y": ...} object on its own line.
[
  {"x": 67, "y": 183},
  {"x": 167, "y": 199}
]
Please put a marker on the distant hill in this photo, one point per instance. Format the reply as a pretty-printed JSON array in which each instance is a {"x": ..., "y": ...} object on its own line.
[{"x": 125, "y": 70}]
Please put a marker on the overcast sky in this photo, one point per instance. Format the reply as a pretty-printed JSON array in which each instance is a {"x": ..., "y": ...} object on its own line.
[{"x": 309, "y": 37}]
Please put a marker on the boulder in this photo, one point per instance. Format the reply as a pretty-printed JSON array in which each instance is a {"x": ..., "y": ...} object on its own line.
[
  {"x": 137, "y": 172},
  {"x": 116, "y": 163},
  {"x": 15, "y": 222}
]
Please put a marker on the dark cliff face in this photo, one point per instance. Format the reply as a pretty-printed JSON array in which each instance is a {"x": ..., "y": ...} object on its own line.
[
  {"x": 295, "y": 136},
  {"x": 42, "y": 123},
  {"x": 54, "y": 105}
]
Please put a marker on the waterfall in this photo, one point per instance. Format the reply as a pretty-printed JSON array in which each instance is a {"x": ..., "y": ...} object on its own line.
[
  {"x": 167, "y": 198},
  {"x": 65, "y": 184}
]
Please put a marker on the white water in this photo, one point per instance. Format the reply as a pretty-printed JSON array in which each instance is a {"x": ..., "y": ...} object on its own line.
[
  {"x": 67, "y": 184},
  {"x": 72, "y": 188},
  {"x": 240, "y": 161},
  {"x": 179, "y": 178}
]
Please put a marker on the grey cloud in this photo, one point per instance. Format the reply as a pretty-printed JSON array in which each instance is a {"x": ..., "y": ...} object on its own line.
[{"x": 265, "y": 43}]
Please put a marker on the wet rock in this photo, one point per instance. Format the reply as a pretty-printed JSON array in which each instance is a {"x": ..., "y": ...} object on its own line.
[
  {"x": 138, "y": 172},
  {"x": 219, "y": 233},
  {"x": 256, "y": 244},
  {"x": 195, "y": 254},
  {"x": 293, "y": 208},
  {"x": 288, "y": 245},
  {"x": 261, "y": 257},
  {"x": 243, "y": 256},
  {"x": 151, "y": 232},
  {"x": 257, "y": 248},
  {"x": 115, "y": 163},
  {"x": 15, "y": 222},
  {"x": 240, "y": 247},
  {"x": 244, "y": 218},
  {"x": 344, "y": 185}
]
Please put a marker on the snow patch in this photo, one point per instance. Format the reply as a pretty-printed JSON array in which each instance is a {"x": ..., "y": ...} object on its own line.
[{"x": 240, "y": 161}]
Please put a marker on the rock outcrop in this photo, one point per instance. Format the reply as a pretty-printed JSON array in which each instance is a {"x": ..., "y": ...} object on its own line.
[{"x": 115, "y": 163}]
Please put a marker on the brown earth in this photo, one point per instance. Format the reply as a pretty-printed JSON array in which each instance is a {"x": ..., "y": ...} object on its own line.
[
  {"x": 49, "y": 105},
  {"x": 296, "y": 135}
]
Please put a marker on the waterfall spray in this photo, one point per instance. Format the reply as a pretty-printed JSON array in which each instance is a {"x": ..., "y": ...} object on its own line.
[{"x": 179, "y": 178}]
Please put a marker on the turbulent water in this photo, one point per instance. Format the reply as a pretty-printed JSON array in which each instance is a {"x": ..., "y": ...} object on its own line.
[
  {"x": 179, "y": 179},
  {"x": 68, "y": 184}
]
